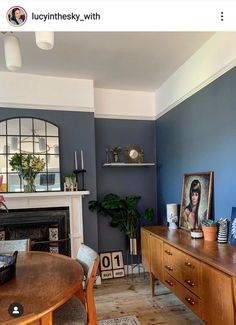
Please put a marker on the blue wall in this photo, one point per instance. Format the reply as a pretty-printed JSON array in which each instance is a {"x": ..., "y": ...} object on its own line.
[
  {"x": 127, "y": 181},
  {"x": 200, "y": 135},
  {"x": 76, "y": 132},
  {"x": 197, "y": 135}
]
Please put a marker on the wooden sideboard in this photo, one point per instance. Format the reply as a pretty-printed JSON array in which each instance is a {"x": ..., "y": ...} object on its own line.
[{"x": 202, "y": 274}]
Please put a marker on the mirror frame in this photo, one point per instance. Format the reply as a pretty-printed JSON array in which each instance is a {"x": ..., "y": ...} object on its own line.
[{"x": 43, "y": 142}]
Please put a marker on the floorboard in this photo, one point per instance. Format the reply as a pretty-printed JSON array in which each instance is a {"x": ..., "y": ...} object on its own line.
[{"x": 124, "y": 296}]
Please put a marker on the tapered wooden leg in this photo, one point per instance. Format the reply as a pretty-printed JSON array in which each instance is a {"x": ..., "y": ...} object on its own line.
[
  {"x": 152, "y": 283},
  {"x": 46, "y": 319}
]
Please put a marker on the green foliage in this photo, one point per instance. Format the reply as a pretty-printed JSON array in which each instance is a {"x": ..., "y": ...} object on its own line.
[
  {"x": 71, "y": 176},
  {"x": 123, "y": 212},
  {"x": 209, "y": 223},
  {"x": 116, "y": 151},
  {"x": 27, "y": 166}
]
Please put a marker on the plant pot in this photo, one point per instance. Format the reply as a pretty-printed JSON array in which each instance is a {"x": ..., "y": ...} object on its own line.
[
  {"x": 133, "y": 246},
  {"x": 210, "y": 233}
]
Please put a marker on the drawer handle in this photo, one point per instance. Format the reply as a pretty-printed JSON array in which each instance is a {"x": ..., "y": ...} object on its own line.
[
  {"x": 168, "y": 252},
  {"x": 168, "y": 267},
  {"x": 188, "y": 264},
  {"x": 169, "y": 282},
  {"x": 190, "y": 301},
  {"x": 189, "y": 282}
]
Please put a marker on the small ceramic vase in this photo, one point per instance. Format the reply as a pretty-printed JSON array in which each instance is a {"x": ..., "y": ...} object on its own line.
[{"x": 223, "y": 231}]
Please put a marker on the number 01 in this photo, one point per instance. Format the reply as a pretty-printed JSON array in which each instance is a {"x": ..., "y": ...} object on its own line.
[{"x": 117, "y": 260}]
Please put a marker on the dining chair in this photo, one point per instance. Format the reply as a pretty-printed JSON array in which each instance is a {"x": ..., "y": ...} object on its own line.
[
  {"x": 21, "y": 245},
  {"x": 77, "y": 310}
]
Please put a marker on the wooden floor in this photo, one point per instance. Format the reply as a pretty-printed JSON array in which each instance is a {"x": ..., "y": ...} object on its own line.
[{"x": 120, "y": 297}]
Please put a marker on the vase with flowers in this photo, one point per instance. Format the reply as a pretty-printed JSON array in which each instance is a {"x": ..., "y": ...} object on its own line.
[{"x": 27, "y": 166}]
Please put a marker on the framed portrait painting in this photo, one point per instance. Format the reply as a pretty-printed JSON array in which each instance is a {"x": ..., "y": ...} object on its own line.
[{"x": 196, "y": 199}]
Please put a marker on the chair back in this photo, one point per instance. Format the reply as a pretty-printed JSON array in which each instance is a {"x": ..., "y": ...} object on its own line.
[
  {"x": 21, "y": 245},
  {"x": 90, "y": 261},
  {"x": 86, "y": 256}
]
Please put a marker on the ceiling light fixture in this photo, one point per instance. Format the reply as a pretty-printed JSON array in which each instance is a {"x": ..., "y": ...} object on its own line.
[
  {"x": 12, "y": 52},
  {"x": 44, "y": 40}
]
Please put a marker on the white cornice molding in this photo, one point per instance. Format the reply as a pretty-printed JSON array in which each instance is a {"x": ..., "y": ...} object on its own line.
[
  {"x": 213, "y": 59},
  {"x": 45, "y": 107},
  {"x": 44, "y": 92},
  {"x": 125, "y": 117},
  {"x": 195, "y": 90},
  {"x": 124, "y": 104}
]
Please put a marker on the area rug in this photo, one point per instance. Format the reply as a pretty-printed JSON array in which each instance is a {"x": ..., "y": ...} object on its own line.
[{"x": 125, "y": 320}]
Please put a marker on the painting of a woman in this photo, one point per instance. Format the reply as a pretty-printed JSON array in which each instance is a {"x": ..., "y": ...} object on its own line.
[{"x": 196, "y": 196}]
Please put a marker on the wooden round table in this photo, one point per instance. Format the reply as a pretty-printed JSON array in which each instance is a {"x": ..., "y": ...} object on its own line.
[{"x": 43, "y": 282}]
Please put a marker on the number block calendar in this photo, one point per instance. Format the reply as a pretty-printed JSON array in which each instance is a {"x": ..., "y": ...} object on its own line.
[{"x": 112, "y": 265}]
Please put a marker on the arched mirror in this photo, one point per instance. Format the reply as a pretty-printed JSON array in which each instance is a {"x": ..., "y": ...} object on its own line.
[{"x": 30, "y": 136}]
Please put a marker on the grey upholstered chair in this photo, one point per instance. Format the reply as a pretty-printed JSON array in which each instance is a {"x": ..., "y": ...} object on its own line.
[
  {"x": 75, "y": 311},
  {"x": 21, "y": 245}
]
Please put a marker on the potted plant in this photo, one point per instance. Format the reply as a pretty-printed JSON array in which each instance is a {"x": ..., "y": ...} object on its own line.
[
  {"x": 209, "y": 228},
  {"x": 124, "y": 213}
]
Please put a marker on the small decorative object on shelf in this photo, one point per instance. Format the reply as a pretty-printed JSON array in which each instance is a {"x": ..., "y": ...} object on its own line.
[
  {"x": 172, "y": 215},
  {"x": 115, "y": 153},
  {"x": 196, "y": 233},
  {"x": 78, "y": 171},
  {"x": 27, "y": 166},
  {"x": 223, "y": 231},
  {"x": 7, "y": 266},
  {"x": 232, "y": 231},
  {"x": 209, "y": 228},
  {"x": 70, "y": 183},
  {"x": 134, "y": 154},
  {"x": 107, "y": 155}
]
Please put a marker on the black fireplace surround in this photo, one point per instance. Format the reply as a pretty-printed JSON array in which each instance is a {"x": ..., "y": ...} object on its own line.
[{"x": 48, "y": 228}]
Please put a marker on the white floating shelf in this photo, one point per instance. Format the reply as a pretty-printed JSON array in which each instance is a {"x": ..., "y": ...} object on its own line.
[{"x": 128, "y": 164}]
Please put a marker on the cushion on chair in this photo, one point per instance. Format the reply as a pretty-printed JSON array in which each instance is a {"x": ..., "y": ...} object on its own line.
[
  {"x": 73, "y": 312},
  {"x": 14, "y": 245},
  {"x": 86, "y": 256}
]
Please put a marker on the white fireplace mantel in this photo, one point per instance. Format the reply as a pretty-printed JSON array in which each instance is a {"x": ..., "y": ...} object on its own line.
[{"x": 72, "y": 199}]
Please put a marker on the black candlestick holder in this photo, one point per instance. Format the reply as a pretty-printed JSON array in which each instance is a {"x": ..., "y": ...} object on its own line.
[{"x": 77, "y": 172}]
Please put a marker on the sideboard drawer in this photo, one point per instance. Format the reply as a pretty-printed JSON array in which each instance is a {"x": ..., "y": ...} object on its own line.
[
  {"x": 170, "y": 282},
  {"x": 190, "y": 299},
  {"x": 171, "y": 255},
  {"x": 173, "y": 270},
  {"x": 184, "y": 268},
  {"x": 191, "y": 274}
]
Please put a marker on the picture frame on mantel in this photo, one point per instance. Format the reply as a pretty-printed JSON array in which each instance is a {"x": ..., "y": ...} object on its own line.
[{"x": 195, "y": 200}]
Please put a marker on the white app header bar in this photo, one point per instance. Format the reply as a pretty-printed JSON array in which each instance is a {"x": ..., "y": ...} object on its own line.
[{"x": 121, "y": 15}]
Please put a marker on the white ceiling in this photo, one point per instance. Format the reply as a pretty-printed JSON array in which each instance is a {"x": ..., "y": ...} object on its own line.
[{"x": 133, "y": 61}]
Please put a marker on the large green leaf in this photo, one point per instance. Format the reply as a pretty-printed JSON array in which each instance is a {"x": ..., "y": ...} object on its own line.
[{"x": 124, "y": 212}]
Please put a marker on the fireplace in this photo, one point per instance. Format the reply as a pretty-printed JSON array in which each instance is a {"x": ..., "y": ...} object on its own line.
[
  {"x": 45, "y": 200},
  {"x": 48, "y": 228}
]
